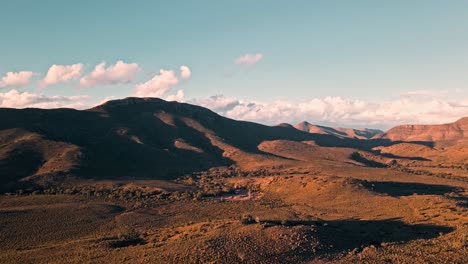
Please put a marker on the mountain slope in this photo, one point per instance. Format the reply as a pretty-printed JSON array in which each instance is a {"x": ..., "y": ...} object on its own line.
[
  {"x": 442, "y": 135},
  {"x": 149, "y": 138},
  {"x": 364, "y": 133},
  {"x": 136, "y": 138}
]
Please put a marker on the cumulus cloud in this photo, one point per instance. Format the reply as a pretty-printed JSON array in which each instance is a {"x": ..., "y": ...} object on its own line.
[
  {"x": 61, "y": 73},
  {"x": 16, "y": 79},
  {"x": 158, "y": 85},
  {"x": 161, "y": 84},
  {"x": 249, "y": 59},
  {"x": 118, "y": 73},
  {"x": 341, "y": 111},
  {"x": 179, "y": 96},
  {"x": 17, "y": 99},
  {"x": 185, "y": 72},
  {"x": 217, "y": 103}
]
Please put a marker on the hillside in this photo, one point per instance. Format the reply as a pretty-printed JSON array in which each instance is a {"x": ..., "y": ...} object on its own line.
[
  {"x": 137, "y": 138},
  {"x": 150, "y": 181},
  {"x": 149, "y": 138},
  {"x": 443, "y": 135},
  {"x": 363, "y": 133}
]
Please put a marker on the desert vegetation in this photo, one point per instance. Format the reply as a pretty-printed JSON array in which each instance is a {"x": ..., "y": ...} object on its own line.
[{"x": 207, "y": 194}]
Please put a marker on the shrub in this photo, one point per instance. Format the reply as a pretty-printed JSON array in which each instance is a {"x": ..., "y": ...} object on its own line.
[{"x": 247, "y": 219}]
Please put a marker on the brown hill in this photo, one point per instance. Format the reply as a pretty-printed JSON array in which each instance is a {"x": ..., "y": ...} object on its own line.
[
  {"x": 363, "y": 133},
  {"x": 442, "y": 135},
  {"x": 149, "y": 138},
  {"x": 291, "y": 196},
  {"x": 137, "y": 138}
]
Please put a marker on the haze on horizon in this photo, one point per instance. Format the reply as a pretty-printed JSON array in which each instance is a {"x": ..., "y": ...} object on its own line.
[{"x": 360, "y": 64}]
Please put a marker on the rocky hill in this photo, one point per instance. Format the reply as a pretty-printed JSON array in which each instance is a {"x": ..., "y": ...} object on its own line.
[
  {"x": 134, "y": 138},
  {"x": 443, "y": 135},
  {"x": 363, "y": 133}
]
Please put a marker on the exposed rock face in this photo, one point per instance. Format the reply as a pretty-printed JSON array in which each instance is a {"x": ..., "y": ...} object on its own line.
[
  {"x": 446, "y": 134},
  {"x": 363, "y": 133}
]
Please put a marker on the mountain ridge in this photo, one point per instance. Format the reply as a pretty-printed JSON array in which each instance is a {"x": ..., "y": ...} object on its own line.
[
  {"x": 443, "y": 134},
  {"x": 152, "y": 138},
  {"x": 363, "y": 133},
  {"x": 133, "y": 137}
]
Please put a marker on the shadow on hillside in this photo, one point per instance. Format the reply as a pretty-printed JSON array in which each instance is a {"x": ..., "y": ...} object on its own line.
[
  {"x": 392, "y": 156},
  {"x": 345, "y": 235},
  {"x": 461, "y": 200},
  {"x": 356, "y": 156},
  {"x": 248, "y": 135},
  {"x": 397, "y": 189},
  {"x": 18, "y": 164},
  {"x": 124, "y": 138},
  {"x": 105, "y": 153},
  {"x": 334, "y": 131}
]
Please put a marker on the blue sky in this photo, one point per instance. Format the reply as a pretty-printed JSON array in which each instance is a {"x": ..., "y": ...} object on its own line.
[{"x": 372, "y": 51}]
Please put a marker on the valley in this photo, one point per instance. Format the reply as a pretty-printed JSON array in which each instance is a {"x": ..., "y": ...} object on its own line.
[{"x": 141, "y": 180}]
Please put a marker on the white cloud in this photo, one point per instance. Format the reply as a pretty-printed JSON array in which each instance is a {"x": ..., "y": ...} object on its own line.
[
  {"x": 118, "y": 73},
  {"x": 179, "y": 96},
  {"x": 185, "y": 72},
  {"x": 158, "y": 85},
  {"x": 341, "y": 111},
  {"x": 16, "y": 99},
  {"x": 249, "y": 59},
  {"x": 16, "y": 79},
  {"x": 217, "y": 103},
  {"x": 161, "y": 84},
  {"x": 61, "y": 73},
  {"x": 334, "y": 111},
  {"x": 106, "y": 99}
]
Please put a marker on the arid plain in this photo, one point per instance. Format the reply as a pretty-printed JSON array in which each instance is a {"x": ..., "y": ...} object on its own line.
[{"x": 142, "y": 180}]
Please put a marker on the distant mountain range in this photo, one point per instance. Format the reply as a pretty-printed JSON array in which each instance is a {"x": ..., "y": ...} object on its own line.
[
  {"x": 151, "y": 138},
  {"x": 445, "y": 134},
  {"x": 442, "y": 135},
  {"x": 363, "y": 133}
]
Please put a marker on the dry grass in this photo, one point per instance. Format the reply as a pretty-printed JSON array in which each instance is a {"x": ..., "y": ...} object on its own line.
[
  {"x": 299, "y": 218},
  {"x": 158, "y": 182}
]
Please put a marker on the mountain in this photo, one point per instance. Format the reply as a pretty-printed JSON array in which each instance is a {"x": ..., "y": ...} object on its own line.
[
  {"x": 363, "y": 133},
  {"x": 438, "y": 145},
  {"x": 145, "y": 138},
  {"x": 450, "y": 134},
  {"x": 149, "y": 138},
  {"x": 145, "y": 180}
]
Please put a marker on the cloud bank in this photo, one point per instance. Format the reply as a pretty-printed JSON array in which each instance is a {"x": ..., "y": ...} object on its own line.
[
  {"x": 340, "y": 111},
  {"x": 413, "y": 107},
  {"x": 17, "y": 99},
  {"x": 334, "y": 111}
]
